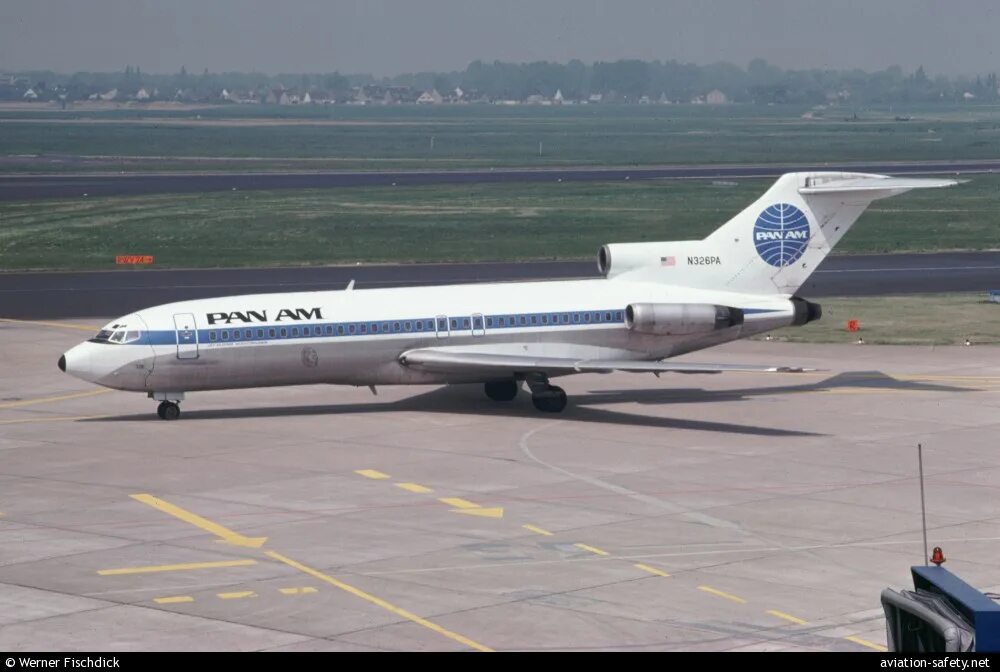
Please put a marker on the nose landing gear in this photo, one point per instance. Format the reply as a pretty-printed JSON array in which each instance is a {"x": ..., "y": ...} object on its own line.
[{"x": 168, "y": 410}]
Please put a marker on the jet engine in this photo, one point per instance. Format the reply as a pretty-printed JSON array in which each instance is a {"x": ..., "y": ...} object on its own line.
[{"x": 677, "y": 319}]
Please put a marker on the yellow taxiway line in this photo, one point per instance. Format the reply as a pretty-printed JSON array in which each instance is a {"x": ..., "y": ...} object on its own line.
[
  {"x": 174, "y": 600},
  {"x": 224, "y": 533},
  {"x": 177, "y": 568},
  {"x": 415, "y": 487},
  {"x": 357, "y": 592},
  {"x": 46, "y": 400},
  {"x": 592, "y": 549},
  {"x": 57, "y": 325},
  {"x": 537, "y": 530},
  {"x": 865, "y": 642},
  {"x": 651, "y": 570},
  {"x": 787, "y": 617},
  {"x": 725, "y": 596},
  {"x": 62, "y": 418},
  {"x": 371, "y": 473}
]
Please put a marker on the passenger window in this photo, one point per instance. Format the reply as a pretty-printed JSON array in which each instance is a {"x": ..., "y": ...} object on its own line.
[
  {"x": 501, "y": 320},
  {"x": 524, "y": 320},
  {"x": 270, "y": 333},
  {"x": 374, "y": 328},
  {"x": 586, "y": 317},
  {"x": 329, "y": 330},
  {"x": 534, "y": 319},
  {"x": 236, "y": 334},
  {"x": 395, "y": 327},
  {"x": 477, "y": 322},
  {"x": 225, "y": 335},
  {"x": 340, "y": 329},
  {"x": 351, "y": 328},
  {"x": 576, "y": 318},
  {"x": 618, "y": 316},
  {"x": 565, "y": 318},
  {"x": 489, "y": 321},
  {"x": 260, "y": 333},
  {"x": 211, "y": 335},
  {"x": 607, "y": 317},
  {"x": 295, "y": 332},
  {"x": 465, "y": 323},
  {"x": 419, "y": 324},
  {"x": 442, "y": 324},
  {"x": 454, "y": 324},
  {"x": 408, "y": 326},
  {"x": 283, "y": 332},
  {"x": 545, "y": 319}
]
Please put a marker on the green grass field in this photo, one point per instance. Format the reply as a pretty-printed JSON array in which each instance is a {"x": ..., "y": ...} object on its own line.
[
  {"x": 929, "y": 319},
  {"x": 447, "y": 223},
  {"x": 267, "y": 137}
]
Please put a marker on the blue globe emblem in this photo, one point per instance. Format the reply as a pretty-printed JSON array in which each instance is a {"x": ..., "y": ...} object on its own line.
[{"x": 781, "y": 234}]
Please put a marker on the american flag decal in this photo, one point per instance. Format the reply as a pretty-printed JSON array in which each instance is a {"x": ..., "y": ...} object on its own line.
[{"x": 668, "y": 261}]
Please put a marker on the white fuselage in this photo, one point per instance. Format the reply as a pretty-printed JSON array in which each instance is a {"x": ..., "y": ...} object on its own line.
[{"x": 356, "y": 337}]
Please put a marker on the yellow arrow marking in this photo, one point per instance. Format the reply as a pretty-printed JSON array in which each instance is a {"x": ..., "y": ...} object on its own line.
[
  {"x": 592, "y": 549},
  {"x": 226, "y": 535},
  {"x": 298, "y": 591},
  {"x": 787, "y": 617},
  {"x": 174, "y": 600},
  {"x": 651, "y": 570},
  {"x": 537, "y": 530},
  {"x": 176, "y": 568},
  {"x": 725, "y": 596},
  {"x": 458, "y": 503},
  {"x": 494, "y": 512},
  {"x": 414, "y": 487},
  {"x": 237, "y": 595},
  {"x": 865, "y": 642},
  {"x": 45, "y": 400},
  {"x": 58, "y": 325},
  {"x": 371, "y": 473},
  {"x": 403, "y": 613}
]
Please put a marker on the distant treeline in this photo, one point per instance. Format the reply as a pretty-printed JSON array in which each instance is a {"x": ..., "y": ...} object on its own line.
[{"x": 621, "y": 81}]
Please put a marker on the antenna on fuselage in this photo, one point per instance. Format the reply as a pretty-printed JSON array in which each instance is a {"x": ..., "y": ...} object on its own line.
[{"x": 350, "y": 285}]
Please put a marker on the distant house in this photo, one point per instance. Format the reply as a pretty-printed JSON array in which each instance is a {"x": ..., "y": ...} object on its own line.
[
  {"x": 595, "y": 98},
  {"x": 716, "y": 97},
  {"x": 142, "y": 94},
  {"x": 30, "y": 95},
  {"x": 109, "y": 95},
  {"x": 968, "y": 95},
  {"x": 307, "y": 99},
  {"x": 537, "y": 99},
  {"x": 225, "y": 95},
  {"x": 459, "y": 93},
  {"x": 431, "y": 97},
  {"x": 558, "y": 98}
]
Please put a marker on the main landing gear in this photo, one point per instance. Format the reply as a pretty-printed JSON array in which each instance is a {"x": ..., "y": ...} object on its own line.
[
  {"x": 168, "y": 410},
  {"x": 546, "y": 398}
]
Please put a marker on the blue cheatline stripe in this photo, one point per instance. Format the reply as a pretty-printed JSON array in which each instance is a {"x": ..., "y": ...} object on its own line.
[{"x": 453, "y": 325}]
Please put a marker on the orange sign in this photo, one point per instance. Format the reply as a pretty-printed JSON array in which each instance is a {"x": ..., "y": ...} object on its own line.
[
  {"x": 134, "y": 259},
  {"x": 853, "y": 325}
]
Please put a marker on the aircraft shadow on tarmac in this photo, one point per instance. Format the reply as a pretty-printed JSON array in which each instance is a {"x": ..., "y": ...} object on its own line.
[{"x": 469, "y": 399}]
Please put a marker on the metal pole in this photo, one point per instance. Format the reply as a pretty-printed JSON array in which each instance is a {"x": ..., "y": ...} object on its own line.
[{"x": 923, "y": 506}]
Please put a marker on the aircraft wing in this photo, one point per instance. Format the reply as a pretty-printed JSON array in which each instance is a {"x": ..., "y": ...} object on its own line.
[{"x": 446, "y": 361}]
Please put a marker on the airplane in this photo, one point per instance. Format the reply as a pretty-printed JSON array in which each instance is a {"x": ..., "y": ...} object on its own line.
[{"x": 656, "y": 300}]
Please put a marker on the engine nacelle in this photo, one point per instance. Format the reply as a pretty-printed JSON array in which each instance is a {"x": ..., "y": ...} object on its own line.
[
  {"x": 678, "y": 319},
  {"x": 805, "y": 311},
  {"x": 615, "y": 259}
]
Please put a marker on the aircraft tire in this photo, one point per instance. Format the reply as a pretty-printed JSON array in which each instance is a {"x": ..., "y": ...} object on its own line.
[
  {"x": 168, "y": 410},
  {"x": 550, "y": 400},
  {"x": 505, "y": 390}
]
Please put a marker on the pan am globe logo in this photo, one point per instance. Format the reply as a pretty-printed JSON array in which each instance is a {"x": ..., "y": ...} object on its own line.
[{"x": 781, "y": 234}]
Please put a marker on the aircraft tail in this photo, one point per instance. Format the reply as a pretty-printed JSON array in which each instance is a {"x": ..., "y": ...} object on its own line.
[{"x": 773, "y": 245}]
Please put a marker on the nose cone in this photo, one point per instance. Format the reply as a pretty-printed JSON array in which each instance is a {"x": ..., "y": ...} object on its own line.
[{"x": 62, "y": 363}]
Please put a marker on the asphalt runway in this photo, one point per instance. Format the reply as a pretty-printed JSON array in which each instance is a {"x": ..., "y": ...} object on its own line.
[
  {"x": 103, "y": 293},
  {"x": 34, "y": 187},
  {"x": 740, "y": 512}
]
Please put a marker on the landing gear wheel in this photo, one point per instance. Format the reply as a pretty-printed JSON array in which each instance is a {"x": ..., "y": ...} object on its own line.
[
  {"x": 549, "y": 400},
  {"x": 168, "y": 410},
  {"x": 504, "y": 390}
]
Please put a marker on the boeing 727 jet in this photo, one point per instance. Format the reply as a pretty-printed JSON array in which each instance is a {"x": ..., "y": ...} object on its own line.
[{"x": 656, "y": 301}]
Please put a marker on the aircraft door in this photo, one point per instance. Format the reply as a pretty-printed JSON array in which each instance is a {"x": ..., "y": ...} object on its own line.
[
  {"x": 441, "y": 326},
  {"x": 187, "y": 336},
  {"x": 478, "y": 324}
]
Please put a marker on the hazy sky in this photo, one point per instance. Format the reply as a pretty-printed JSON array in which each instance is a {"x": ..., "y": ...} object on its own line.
[{"x": 387, "y": 37}]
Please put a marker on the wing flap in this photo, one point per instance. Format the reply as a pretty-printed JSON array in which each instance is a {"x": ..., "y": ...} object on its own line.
[{"x": 444, "y": 361}]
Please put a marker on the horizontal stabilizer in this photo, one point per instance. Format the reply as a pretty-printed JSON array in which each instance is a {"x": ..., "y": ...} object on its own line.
[
  {"x": 445, "y": 361},
  {"x": 873, "y": 183}
]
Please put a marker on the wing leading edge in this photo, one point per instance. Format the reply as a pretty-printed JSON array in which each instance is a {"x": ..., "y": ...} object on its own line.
[{"x": 444, "y": 361}]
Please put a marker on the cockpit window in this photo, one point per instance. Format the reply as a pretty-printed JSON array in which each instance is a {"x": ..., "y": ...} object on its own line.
[{"x": 118, "y": 333}]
